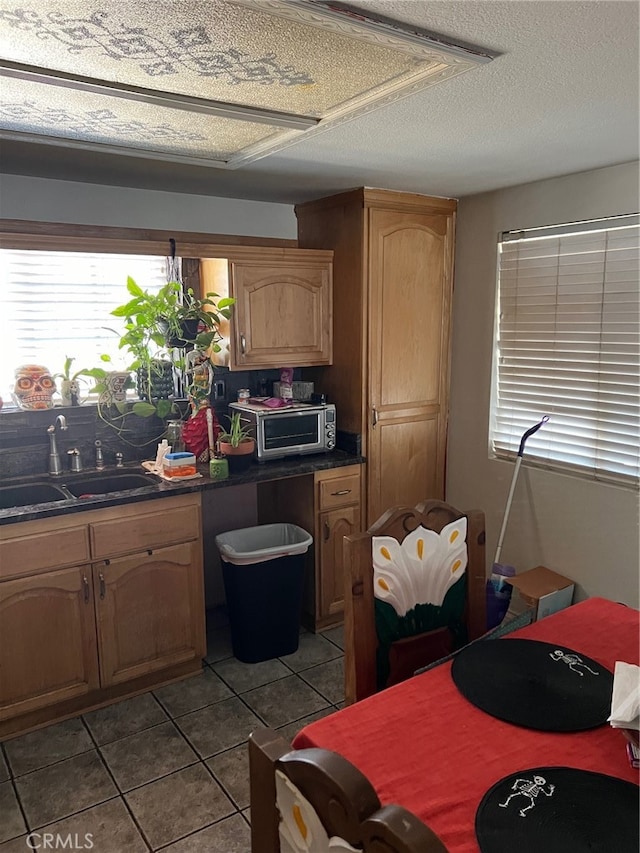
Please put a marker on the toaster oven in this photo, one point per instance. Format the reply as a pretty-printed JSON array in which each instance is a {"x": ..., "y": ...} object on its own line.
[{"x": 299, "y": 428}]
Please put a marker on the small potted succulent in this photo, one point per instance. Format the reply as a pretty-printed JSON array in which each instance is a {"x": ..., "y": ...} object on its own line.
[
  {"x": 69, "y": 385},
  {"x": 237, "y": 444}
]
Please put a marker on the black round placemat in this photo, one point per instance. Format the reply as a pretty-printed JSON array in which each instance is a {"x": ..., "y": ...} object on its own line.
[
  {"x": 535, "y": 685},
  {"x": 570, "y": 811}
]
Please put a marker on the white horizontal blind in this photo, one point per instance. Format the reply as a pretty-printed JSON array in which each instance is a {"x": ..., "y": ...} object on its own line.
[
  {"x": 58, "y": 304},
  {"x": 568, "y": 345}
]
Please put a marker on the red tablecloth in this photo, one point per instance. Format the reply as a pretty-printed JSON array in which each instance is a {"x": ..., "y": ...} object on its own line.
[{"x": 422, "y": 745}]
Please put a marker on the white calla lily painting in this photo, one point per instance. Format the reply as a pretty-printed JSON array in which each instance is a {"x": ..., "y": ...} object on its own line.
[
  {"x": 422, "y": 568},
  {"x": 300, "y": 829}
]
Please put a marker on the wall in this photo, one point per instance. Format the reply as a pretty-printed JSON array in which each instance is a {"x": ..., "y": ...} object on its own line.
[
  {"x": 41, "y": 199},
  {"x": 582, "y": 529}
]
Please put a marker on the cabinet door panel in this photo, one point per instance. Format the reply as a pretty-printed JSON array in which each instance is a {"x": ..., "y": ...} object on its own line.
[
  {"x": 404, "y": 464},
  {"x": 334, "y": 526},
  {"x": 150, "y": 611},
  {"x": 47, "y": 640},
  {"x": 410, "y": 263},
  {"x": 282, "y": 315},
  {"x": 409, "y": 307}
]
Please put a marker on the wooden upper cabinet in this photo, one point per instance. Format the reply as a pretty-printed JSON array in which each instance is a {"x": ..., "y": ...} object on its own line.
[
  {"x": 282, "y": 315},
  {"x": 283, "y": 311}
]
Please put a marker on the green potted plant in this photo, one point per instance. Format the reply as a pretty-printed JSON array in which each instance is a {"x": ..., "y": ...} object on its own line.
[
  {"x": 237, "y": 444},
  {"x": 155, "y": 322}
]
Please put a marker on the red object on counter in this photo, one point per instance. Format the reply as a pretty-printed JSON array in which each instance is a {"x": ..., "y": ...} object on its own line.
[{"x": 194, "y": 433}]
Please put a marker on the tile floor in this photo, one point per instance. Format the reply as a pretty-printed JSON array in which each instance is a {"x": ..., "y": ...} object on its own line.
[{"x": 167, "y": 770}]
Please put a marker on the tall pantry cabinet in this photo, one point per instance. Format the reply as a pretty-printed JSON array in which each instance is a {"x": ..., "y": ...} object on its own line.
[{"x": 393, "y": 277}]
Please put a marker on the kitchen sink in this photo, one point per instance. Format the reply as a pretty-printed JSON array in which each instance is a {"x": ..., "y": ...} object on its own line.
[
  {"x": 30, "y": 493},
  {"x": 112, "y": 482}
]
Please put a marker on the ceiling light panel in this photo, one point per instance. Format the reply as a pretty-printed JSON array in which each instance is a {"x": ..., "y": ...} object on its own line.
[
  {"x": 39, "y": 109},
  {"x": 308, "y": 61}
]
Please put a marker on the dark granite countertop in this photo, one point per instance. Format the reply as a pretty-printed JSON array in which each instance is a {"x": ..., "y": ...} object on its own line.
[{"x": 157, "y": 488}]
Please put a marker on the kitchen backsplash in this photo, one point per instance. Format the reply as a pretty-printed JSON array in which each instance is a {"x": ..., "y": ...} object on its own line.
[{"x": 24, "y": 443}]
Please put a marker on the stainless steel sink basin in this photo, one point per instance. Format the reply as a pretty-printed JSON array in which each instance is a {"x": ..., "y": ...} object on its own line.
[
  {"x": 31, "y": 493},
  {"x": 112, "y": 482}
]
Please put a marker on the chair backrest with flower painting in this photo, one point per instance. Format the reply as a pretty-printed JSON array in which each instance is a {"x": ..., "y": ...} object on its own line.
[{"x": 414, "y": 592}]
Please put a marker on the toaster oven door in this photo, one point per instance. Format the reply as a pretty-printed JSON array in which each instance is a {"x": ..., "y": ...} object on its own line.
[{"x": 289, "y": 433}]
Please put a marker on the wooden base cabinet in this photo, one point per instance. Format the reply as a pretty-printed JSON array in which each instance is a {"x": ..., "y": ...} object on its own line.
[
  {"x": 149, "y": 612},
  {"x": 48, "y": 648},
  {"x": 327, "y": 505},
  {"x": 79, "y": 636},
  {"x": 393, "y": 278},
  {"x": 332, "y": 527}
]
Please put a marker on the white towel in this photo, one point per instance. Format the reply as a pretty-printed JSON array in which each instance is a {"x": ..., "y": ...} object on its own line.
[{"x": 625, "y": 701}]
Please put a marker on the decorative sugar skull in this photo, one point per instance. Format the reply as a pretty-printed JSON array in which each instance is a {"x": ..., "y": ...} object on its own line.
[
  {"x": 33, "y": 387},
  {"x": 115, "y": 387}
]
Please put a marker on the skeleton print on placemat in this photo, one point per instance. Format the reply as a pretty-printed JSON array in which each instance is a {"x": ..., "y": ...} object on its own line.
[
  {"x": 567, "y": 811},
  {"x": 573, "y": 661},
  {"x": 530, "y": 789}
]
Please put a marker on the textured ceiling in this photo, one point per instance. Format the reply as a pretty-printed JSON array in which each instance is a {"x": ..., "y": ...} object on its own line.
[{"x": 561, "y": 97}]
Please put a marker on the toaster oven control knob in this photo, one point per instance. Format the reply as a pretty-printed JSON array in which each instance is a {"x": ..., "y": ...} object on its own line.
[{"x": 330, "y": 443}]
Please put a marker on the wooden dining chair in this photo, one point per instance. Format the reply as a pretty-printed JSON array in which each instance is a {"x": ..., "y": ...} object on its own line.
[
  {"x": 414, "y": 592},
  {"x": 302, "y": 798}
]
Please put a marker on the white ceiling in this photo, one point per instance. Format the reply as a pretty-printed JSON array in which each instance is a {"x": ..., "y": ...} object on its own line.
[{"x": 561, "y": 97}]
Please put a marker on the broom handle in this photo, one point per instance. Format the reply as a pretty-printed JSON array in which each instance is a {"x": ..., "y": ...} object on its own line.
[
  {"x": 514, "y": 479},
  {"x": 507, "y": 510}
]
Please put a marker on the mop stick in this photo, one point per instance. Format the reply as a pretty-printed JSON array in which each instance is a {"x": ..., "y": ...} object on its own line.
[{"x": 525, "y": 436}]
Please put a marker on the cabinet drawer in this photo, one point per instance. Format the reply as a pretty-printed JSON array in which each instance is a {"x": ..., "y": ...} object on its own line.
[
  {"x": 339, "y": 491},
  {"x": 148, "y": 531},
  {"x": 36, "y": 552}
]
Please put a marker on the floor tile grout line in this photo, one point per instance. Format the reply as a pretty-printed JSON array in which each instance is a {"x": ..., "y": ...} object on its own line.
[
  {"x": 317, "y": 689},
  {"x": 196, "y": 755},
  {"x": 4, "y": 755},
  {"x": 110, "y": 799},
  {"x": 20, "y": 806},
  {"x": 52, "y": 764},
  {"x": 121, "y": 795},
  {"x": 133, "y": 734},
  {"x": 219, "y": 782},
  {"x": 257, "y": 714},
  {"x": 196, "y": 831}
]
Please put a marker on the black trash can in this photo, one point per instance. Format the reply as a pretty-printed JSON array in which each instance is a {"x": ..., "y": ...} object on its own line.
[{"x": 263, "y": 573}]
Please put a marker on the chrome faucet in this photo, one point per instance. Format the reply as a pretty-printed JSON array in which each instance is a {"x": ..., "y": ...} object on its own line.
[
  {"x": 99, "y": 456},
  {"x": 55, "y": 466}
]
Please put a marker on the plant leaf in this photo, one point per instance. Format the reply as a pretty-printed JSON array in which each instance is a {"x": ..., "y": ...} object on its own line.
[
  {"x": 133, "y": 288},
  {"x": 163, "y": 407},
  {"x": 143, "y": 410}
]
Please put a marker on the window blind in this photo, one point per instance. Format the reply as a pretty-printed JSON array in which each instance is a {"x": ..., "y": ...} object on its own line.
[
  {"x": 568, "y": 345},
  {"x": 58, "y": 304}
]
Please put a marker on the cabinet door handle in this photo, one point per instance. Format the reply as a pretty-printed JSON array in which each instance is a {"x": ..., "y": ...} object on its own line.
[
  {"x": 85, "y": 586},
  {"x": 243, "y": 344},
  {"x": 102, "y": 585},
  {"x": 374, "y": 416},
  {"x": 341, "y": 492},
  {"x": 327, "y": 531}
]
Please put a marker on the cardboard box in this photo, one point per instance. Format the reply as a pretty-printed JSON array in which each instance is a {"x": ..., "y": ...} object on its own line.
[{"x": 544, "y": 591}]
